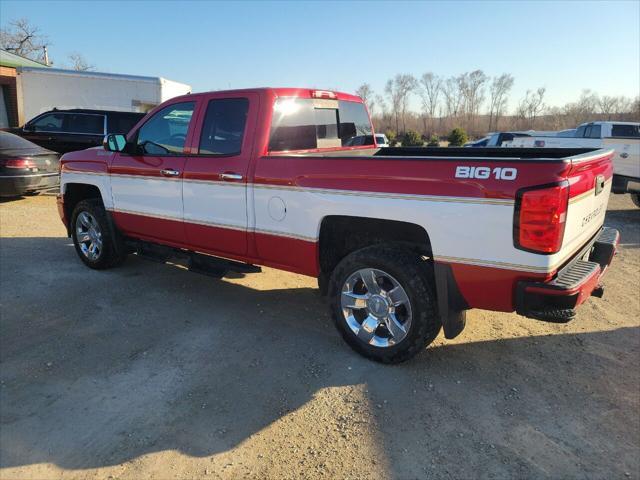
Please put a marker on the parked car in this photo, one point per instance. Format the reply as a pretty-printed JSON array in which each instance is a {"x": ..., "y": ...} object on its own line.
[
  {"x": 68, "y": 130},
  {"x": 496, "y": 139},
  {"x": 382, "y": 140},
  {"x": 25, "y": 167},
  {"x": 403, "y": 240},
  {"x": 623, "y": 137}
]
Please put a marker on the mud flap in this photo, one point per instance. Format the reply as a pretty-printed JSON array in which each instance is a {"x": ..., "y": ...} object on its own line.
[{"x": 452, "y": 306}]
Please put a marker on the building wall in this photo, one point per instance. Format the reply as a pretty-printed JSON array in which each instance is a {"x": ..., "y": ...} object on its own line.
[{"x": 45, "y": 89}]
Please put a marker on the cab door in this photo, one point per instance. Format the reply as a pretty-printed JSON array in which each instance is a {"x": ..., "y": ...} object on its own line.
[
  {"x": 146, "y": 183},
  {"x": 215, "y": 174}
]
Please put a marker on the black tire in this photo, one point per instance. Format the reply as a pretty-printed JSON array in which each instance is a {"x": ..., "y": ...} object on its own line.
[
  {"x": 113, "y": 251},
  {"x": 635, "y": 198},
  {"x": 415, "y": 276}
]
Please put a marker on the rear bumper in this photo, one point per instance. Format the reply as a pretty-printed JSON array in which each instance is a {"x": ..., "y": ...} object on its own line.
[
  {"x": 556, "y": 300},
  {"x": 13, "y": 185},
  {"x": 624, "y": 184}
]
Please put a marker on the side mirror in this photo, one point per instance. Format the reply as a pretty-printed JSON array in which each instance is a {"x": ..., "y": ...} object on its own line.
[
  {"x": 114, "y": 142},
  {"x": 28, "y": 127}
]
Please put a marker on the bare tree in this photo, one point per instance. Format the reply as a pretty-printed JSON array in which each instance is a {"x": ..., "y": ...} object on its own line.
[
  {"x": 531, "y": 106},
  {"x": 584, "y": 109},
  {"x": 452, "y": 97},
  {"x": 472, "y": 88},
  {"x": 365, "y": 92},
  {"x": 430, "y": 90},
  {"x": 24, "y": 39},
  {"x": 608, "y": 105},
  {"x": 79, "y": 63},
  {"x": 399, "y": 89},
  {"x": 499, "y": 95}
]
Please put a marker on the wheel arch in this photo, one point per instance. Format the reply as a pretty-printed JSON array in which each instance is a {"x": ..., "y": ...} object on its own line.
[
  {"x": 73, "y": 193},
  {"x": 341, "y": 235}
]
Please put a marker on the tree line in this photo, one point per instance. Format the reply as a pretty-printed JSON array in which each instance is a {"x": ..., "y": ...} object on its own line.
[{"x": 478, "y": 103}]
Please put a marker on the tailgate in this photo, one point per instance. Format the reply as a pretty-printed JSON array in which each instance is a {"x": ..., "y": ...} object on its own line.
[{"x": 589, "y": 187}]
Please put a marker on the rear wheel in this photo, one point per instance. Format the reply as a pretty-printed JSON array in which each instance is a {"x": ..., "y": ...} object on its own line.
[
  {"x": 383, "y": 303},
  {"x": 97, "y": 243},
  {"x": 636, "y": 199}
]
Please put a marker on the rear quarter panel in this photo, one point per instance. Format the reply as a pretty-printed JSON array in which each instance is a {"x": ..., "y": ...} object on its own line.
[{"x": 468, "y": 221}]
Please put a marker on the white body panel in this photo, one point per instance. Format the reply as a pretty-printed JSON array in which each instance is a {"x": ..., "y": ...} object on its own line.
[
  {"x": 42, "y": 89},
  {"x": 476, "y": 231},
  {"x": 152, "y": 196},
  {"x": 626, "y": 160},
  {"x": 216, "y": 203}
]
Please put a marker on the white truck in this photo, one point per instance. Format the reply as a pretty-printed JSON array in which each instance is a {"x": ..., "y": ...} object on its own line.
[{"x": 623, "y": 137}]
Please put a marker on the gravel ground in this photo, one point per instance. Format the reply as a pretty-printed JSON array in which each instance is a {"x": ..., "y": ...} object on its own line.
[{"x": 148, "y": 371}]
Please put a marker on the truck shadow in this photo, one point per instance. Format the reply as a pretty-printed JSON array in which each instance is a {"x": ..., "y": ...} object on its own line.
[{"x": 100, "y": 368}]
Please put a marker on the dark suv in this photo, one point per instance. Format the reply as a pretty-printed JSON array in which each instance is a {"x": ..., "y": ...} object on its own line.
[{"x": 68, "y": 130}]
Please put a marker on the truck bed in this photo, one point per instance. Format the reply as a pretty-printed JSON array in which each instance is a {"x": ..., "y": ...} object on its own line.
[
  {"x": 442, "y": 153},
  {"x": 485, "y": 153}
]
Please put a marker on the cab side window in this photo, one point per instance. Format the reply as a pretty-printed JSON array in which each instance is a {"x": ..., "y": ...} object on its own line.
[
  {"x": 166, "y": 132},
  {"x": 223, "y": 127},
  {"x": 84, "y": 123},
  {"x": 622, "y": 130},
  {"x": 595, "y": 131},
  {"x": 51, "y": 122}
]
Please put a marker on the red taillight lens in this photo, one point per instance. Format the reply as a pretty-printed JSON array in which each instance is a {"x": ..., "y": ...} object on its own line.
[
  {"x": 541, "y": 215},
  {"x": 19, "y": 163}
]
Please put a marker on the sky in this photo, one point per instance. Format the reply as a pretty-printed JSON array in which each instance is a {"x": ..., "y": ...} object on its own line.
[{"x": 563, "y": 46}]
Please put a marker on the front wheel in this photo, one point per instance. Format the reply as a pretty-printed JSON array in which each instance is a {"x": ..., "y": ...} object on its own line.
[
  {"x": 97, "y": 243},
  {"x": 383, "y": 303}
]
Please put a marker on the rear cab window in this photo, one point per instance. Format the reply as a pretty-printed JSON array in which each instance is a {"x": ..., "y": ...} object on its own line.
[{"x": 318, "y": 123}]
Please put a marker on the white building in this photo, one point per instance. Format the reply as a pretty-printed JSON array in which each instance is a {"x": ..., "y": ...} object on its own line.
[{"x": 42, "y": 89}]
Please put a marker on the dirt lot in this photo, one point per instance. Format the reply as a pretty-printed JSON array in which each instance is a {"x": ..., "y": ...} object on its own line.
[{"x": 151, "y": 371}]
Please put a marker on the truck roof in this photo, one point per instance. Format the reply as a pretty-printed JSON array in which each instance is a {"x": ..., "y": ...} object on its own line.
[
  {"x": 285, "y": 92},
  {"x": 608, "y": 122}
]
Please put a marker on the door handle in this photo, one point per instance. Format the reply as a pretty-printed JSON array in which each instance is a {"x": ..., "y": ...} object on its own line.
[
  {"x": 169, "y": 172},
  {"x": 231, "y": 176}
]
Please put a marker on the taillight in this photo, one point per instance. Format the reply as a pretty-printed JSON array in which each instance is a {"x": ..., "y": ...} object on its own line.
[
  {"x": 19, "y": 163},
  {"x": 540, "y": 217}
]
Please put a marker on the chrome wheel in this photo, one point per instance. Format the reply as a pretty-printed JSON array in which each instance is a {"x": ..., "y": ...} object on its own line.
[
  {"x": 376, "y": 307},
  {"x": 89, "y": 236}
]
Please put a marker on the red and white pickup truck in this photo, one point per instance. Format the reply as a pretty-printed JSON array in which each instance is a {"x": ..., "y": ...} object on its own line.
[{"x": 403, "y": 240}]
